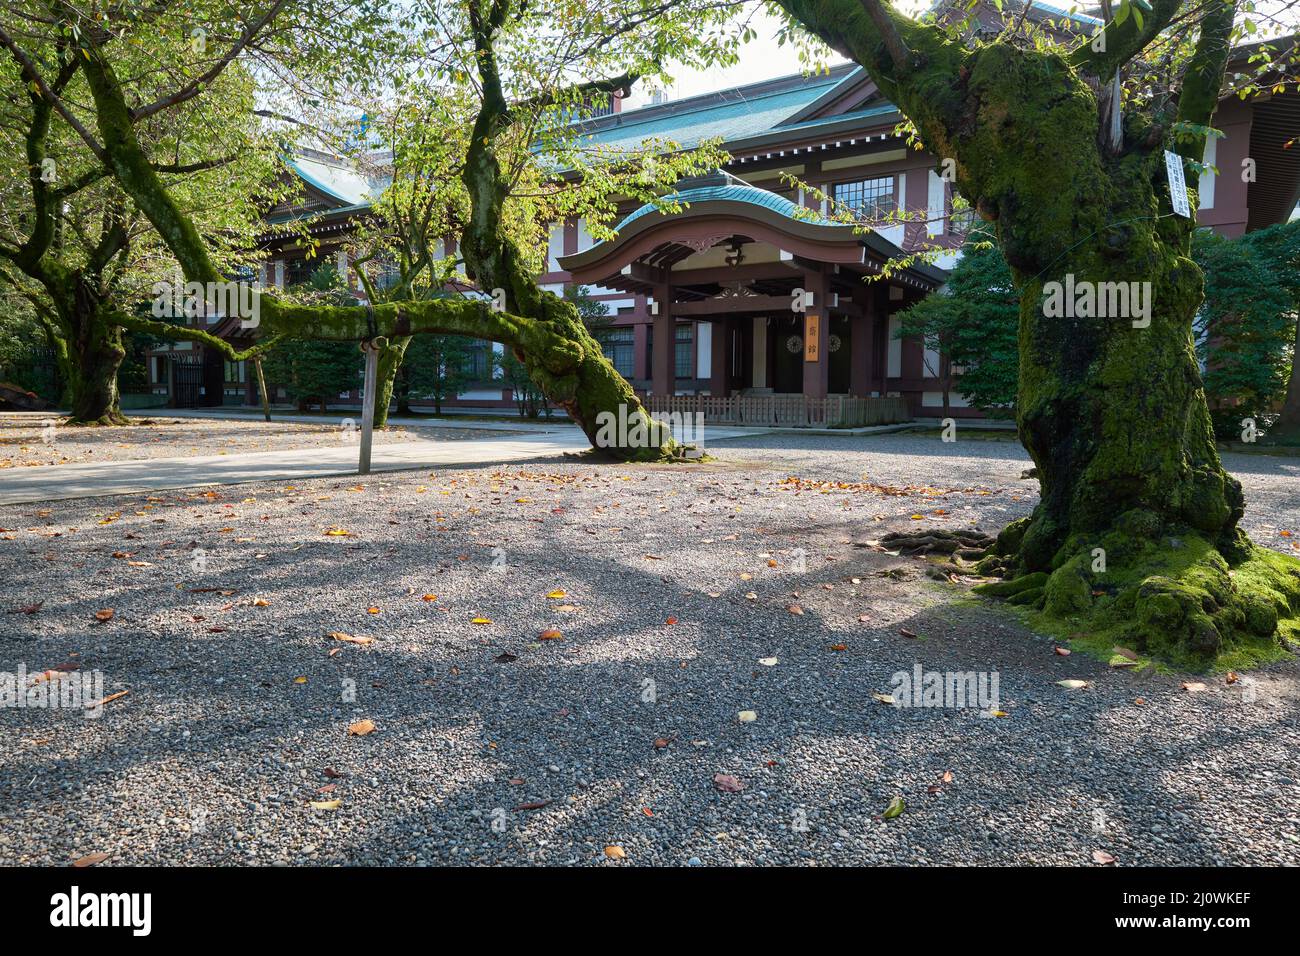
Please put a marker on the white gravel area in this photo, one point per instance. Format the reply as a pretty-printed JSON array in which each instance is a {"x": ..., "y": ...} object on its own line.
[
  {"x": 504, "y": 741},
  {"x": 28, "y": 440}
]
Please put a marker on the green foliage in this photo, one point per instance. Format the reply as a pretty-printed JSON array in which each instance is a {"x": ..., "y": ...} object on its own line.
[
  {"x": 435, "y": 367},
  {"x": 1244, "y": 328},
  {"x": 974, "y": 323},
  {"x": 312, "y": 370},
  {"x": 593, "y": 313},
  {"x": 528, "y": 396}
]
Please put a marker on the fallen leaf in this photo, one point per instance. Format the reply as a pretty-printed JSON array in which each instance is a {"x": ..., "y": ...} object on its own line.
[
  {"x": 839, "y": 647},
  {"x": 105, "y": 615},
  {"x": 1193, "y": 687},
  {"x": 337, "y": 533},
  {"x": 1102, "y": 857},
  {"x": 883, "y": 698},
  {"x": 300, "y": 680},
  {"x": 429, "y": 597},
  {"x": 372, "y": 610},
  {"x": 550, "y": 634},
  {"x": 794, "y": 609},
  {"x": 947, "y": 776},
  {"x": 1072, "y": 684},
  {"x": 615, "y": 853},
  {"x": 261, "y": 602},
  {"x": 906, "y": 633},
  {"x": 326, "y": 804},
  {"x": 361, "y": 728},
  {"x": 332, "y": 774},
  {"x": 505, "y": 657},
  {"x": 349, "y": 639},
  {"x": 661, "y": 743},
  {"x": 727, "y": 783},
  {"x": 1232, "y": 677},
  {"x": 1063, "y": 652},
  {"x": 481, "y": 620},
  {"x": 748, "y": 716},
  {"x": 557, "y": 594},
  {"x": 671, "y": 620},
  {"x": 92, "y": 859},
  {"x": 894, "y": 809},
  {"x": 94, "y": 705},
  {"x": 768, "y": 661}
]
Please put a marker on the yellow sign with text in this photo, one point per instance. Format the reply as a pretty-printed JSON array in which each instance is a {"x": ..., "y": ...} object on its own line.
[{"x": 812, "y": 343}]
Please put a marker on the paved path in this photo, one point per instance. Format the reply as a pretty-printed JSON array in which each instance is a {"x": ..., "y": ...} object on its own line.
[{"x": 58, "y": 482}]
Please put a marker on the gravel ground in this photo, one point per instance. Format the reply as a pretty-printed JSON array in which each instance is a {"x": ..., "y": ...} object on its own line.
[
  {"x": 26, "y": 441},
  {"x": 677, "y": 584}
]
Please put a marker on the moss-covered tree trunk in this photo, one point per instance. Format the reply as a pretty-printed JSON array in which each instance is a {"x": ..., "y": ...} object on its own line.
[
  {"x": 1135, "y": 537},
  {"x": 387, "y": 370},
  {"x": 96, "y": 353}
]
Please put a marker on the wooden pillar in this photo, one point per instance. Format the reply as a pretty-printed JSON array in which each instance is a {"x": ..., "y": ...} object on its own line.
[
  {"x": 640, "y": 350},
  {"x": 663, "y": 373},
  {"x": 817, "y": 333},
  {"x": 862, "y": 336},
  {"x": 720, "y": 362}
]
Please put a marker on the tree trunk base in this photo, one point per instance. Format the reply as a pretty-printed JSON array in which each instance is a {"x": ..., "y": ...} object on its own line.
[
  {"x": 1168, "y": 593},
  {"x": 113, "y": 417}
]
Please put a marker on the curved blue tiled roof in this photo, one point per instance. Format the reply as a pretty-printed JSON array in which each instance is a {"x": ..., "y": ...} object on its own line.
[{"x": 735, "y": 191}]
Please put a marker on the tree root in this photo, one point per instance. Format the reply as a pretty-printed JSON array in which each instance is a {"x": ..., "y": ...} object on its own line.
[
  {"x": 1169, "y": 594},
  {"x": 970, "y": 545}
]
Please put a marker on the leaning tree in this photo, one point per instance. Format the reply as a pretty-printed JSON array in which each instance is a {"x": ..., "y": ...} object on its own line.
[
  {"x": 528, "y": 66},
  {"x": 1059, "y": 141}
]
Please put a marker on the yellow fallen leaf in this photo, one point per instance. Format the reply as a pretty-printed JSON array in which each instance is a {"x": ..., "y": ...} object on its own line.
[
  {"x": 349, "y": 639},
  {"x": 361, "y": 728},
  {"x": 557, "y": 594},
  {"x": 261, "y": 602},
  {"x": 430, "y": 597},
  {"x": 337, "y": 533},
  {"x": 326, "y": 804},
  {"x": 300, "y": 680},
  {"x": 481, "y": 620},
  {"x": 372, "y": 610},
  {"x": 615, "y": 852}
]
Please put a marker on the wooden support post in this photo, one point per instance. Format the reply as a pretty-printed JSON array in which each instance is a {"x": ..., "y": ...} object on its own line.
[
  {"x": 371, "y": 350},
  {"x": 261, "y": 387}
]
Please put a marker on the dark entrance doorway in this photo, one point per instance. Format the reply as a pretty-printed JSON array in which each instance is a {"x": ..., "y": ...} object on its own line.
[{"x": 785, "y": 353}]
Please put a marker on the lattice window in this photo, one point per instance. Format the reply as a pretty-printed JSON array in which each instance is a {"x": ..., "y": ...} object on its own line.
[{"x": 868, "y": 199}]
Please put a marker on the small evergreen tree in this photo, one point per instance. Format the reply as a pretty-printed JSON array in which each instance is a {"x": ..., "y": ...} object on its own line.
[
  {"x": 435, "y": 367},
  {"x": 1243, "y": 332},
  {"x": 312, "y": 369},
  {"x": 973, "y": 322}
]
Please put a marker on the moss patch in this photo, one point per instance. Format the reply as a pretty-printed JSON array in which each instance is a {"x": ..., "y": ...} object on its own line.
[{"x": 1172, "y": 598}]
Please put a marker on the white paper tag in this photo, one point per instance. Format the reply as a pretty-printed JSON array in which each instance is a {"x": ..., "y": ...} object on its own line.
[{"x": 1177, "y": 184}]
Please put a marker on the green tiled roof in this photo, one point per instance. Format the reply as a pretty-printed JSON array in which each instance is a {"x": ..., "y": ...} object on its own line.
[
  {"x": 736, "y": 117},
  {"x": 735, "y": 191}
]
